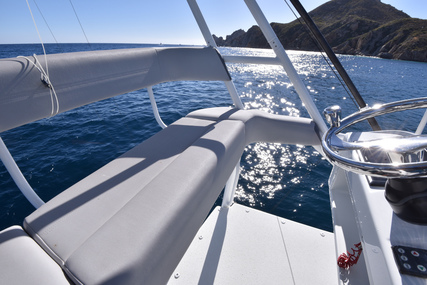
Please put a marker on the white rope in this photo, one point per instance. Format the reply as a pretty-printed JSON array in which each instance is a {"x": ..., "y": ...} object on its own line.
[
  {"x": 44, "y": 77},
  {"x": 38, "y": 33},
  {"x": 44, "y": 74}
]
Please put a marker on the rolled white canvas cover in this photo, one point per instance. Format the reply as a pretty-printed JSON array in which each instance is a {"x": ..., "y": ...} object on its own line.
[{"x": 85, "y": 77}]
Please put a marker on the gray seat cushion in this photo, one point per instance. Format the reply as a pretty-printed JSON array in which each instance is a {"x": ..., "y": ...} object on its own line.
[{"x": 131, "y": 221}]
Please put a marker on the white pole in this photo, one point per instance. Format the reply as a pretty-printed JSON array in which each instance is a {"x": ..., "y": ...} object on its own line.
[
  {"x": 18, "y": 177},
  {"x": 277, "y": 47},
  {"x": 211, "y": 42},
  {"x": 201, "y": 22},
  {"x": 234, "y": 95}
]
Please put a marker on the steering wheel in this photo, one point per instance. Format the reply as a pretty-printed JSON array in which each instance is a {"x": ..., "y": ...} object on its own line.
[{"x": 409, "y": 149}]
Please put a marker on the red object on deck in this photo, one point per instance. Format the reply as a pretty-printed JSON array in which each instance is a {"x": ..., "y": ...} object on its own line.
[{"x": 350, "y": 259}]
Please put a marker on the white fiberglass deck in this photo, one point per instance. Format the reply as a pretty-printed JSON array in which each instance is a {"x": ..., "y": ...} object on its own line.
[{"x": 241, "y": 245}]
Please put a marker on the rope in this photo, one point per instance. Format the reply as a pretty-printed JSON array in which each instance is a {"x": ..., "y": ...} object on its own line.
[
  {"x": 38, "y": 33},
  {"x": 44, "y": 74},
  {"x": 44, "y": 77}
]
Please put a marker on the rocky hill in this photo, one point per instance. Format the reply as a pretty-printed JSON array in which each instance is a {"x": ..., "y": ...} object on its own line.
[{"x": 362, "y": 27}]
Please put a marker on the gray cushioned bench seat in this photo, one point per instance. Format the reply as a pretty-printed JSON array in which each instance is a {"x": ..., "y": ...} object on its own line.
[{"x": 131, "y": 221}]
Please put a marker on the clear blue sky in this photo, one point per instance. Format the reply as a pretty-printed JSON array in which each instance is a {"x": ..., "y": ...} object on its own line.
[{"x": 143, "y": 21}]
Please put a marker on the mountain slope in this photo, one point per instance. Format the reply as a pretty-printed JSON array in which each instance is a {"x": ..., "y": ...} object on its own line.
[{"x": 364, "y": 27}]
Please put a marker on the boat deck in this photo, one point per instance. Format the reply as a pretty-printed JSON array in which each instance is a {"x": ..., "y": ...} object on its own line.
[{"x": 241, "y": 245}]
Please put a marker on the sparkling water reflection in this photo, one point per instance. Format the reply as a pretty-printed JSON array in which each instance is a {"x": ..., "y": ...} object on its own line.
[{"x": 276, "y": 178}]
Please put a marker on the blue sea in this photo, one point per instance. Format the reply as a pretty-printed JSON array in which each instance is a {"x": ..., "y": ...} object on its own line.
[{"x": 289, "y": 181}]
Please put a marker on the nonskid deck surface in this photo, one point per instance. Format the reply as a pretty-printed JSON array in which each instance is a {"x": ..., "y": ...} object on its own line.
[{"x": 241, "y": 245}]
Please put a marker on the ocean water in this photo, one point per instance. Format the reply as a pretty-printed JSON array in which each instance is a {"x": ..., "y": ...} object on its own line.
[{"x": 289, "y": 181}]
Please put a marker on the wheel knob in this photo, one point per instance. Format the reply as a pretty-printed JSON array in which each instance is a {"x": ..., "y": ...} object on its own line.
[{"x": 333, "y": 115}]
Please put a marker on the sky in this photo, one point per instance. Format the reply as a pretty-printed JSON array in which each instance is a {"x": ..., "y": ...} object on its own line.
[{"x": 143, "y": 21}]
